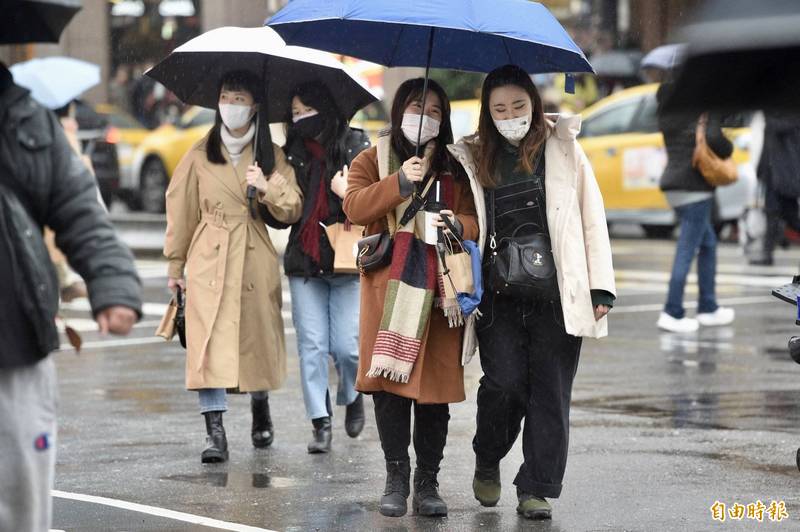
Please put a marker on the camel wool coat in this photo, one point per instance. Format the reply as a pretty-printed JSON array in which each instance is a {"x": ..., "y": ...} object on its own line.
[
  {"x": 437, "y": 376},
  {"x": 234, "y": 328}
]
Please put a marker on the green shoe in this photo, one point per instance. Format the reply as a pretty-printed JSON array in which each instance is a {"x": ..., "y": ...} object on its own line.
[
  {"x": 533, "y": 507},
  {"x": 486, "y": 486}
]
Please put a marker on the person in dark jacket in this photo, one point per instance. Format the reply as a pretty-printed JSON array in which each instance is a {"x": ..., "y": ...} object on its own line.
[
  {"x": 43, "y": 182},
  {"x": 320, "y": 145},
  {"x": 692, "y": 197},
  {"x": 779, "y": 170}
]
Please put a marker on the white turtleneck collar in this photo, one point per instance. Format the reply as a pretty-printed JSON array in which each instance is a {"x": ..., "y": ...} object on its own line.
[{"x": 234, "y": 145}]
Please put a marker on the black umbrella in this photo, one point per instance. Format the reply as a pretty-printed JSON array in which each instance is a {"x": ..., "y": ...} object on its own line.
[
  {"x": 742, "y": 55},
  {"x": 27, "y": 21}
]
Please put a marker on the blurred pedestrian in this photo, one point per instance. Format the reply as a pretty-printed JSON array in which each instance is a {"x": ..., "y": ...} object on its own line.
[
  {"x": 119, "y": 91},
  {"x": 234, "y": 329},
  {"x": 779, "y": 171},
  {"x": 410, "y": 352},
  {"x": 692, "y": 198},
  {"x": 43, "y": 182},
  {"x": 320, "y": 146},
  {"x": 536, "y": 185}
]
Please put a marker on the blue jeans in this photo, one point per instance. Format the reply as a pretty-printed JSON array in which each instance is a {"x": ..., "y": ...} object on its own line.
[
  {"x": 697, "y": 237},
  {"x": 215, "y": 400},
  {"x": 325, "y": 316}
]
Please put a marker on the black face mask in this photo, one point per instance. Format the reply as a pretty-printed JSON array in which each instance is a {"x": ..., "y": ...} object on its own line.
[{"x": 310, "y": 127}]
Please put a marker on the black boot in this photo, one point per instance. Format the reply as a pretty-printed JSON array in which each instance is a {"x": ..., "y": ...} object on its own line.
[
  {"x": 426, "y": 495},
  {"x": 322, "y": 436},
  {"x": 354, "y": 417},
  {"x": 217, "y": 444},
  {"x": 393, "y": 502},
  {"x": 261, "y": 433}
]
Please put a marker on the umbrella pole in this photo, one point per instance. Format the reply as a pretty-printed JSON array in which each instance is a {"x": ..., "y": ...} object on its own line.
[{"x": 425, "y": 89}]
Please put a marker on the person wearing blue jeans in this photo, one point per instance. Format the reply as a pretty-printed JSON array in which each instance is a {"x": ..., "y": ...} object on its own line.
[
  {"x": 325, "y": 300},
  {"x": 213, "y": 403},
  {"x": 692, "y": 197}
]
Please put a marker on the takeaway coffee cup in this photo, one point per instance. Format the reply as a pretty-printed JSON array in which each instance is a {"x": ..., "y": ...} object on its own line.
[{"x": 432, "y": 210}]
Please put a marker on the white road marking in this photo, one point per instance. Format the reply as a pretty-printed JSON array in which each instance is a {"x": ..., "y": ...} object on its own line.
[
  {"x": 655, "y": 307},
  {"x": 158, "y": 512}
]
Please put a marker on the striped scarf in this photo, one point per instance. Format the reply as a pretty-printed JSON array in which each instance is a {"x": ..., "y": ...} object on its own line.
[{"x": 411, "y": 291}]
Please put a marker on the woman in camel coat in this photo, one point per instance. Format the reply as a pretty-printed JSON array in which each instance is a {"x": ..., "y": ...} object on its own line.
[{"x": 234, "y": 328}]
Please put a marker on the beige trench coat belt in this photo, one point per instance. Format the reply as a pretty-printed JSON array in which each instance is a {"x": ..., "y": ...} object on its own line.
[{"x": 219, "y": 217}]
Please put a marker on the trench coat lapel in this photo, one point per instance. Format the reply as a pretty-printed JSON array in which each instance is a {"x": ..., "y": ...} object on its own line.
[
  {"x": 241, "y": 169},
  {"x": 228, "y": 176}
]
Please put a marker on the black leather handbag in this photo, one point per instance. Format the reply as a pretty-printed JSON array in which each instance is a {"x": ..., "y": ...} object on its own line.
[
  {"x": 180, "y": 316},
  {"x": 522, "y": 267}
]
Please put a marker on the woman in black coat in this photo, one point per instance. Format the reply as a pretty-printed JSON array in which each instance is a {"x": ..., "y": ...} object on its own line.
[{"x": 320, "y": 144}]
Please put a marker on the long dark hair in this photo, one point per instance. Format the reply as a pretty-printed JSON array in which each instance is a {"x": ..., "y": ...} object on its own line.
[
  {"x": 408, "y": 92},
  {"x": 238, "y": 80},
  {"x": 334, "y": 131},
  {"x": 490, "y": 140}
]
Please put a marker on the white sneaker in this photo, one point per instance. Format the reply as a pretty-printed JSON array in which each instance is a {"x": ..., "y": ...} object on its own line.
[
  {"x": 721, "y": 316},
  {"x": 683, "y": 325}
]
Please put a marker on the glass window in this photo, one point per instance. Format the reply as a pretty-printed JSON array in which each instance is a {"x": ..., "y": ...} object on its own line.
[
  {"x": 202, "y": 118},
  {"x": 647, "y": 118},
  {"x": 613, "y": 121}
]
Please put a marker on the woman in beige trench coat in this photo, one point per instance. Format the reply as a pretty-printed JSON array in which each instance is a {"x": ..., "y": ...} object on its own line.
[{"x": 234, "y": 328}]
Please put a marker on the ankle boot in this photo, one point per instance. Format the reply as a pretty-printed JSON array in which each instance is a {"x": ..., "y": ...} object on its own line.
[
  {"x": 393, "y": 502},
  {"x": 322, "y": 434},
  {"x": 426, "y": 495},
  {"x": 216, "y": 443},
  {"x": 261, "y": 432},
  {"x": 354, "y": 417}
]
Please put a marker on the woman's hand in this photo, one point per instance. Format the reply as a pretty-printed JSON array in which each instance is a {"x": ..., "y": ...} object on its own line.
[
  {"x": 255, "y": 178},
  {"x": 414, "y": 169},
  {"x": 339, "y": 182},
  {"x": 437, "y": 220},
  {"x": 600, "y": 311},
  {"x": 173, "y": 284},
  {"x": 276, "y": 179}
]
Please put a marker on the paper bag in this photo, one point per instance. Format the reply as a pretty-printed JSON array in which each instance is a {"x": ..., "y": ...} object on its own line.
[
  {"x": 344, "y": 239},
  {"x": 166, "y": 329}
]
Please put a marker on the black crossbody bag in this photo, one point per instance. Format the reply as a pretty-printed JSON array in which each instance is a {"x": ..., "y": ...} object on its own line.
[{"x": 522, "y": 267}]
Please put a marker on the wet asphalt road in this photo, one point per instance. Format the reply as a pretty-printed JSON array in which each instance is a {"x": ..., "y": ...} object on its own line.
[{"x": 663, "y": 426}]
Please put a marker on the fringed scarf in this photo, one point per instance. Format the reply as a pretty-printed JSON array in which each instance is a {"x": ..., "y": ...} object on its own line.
[{"x": 415, "y": 281}]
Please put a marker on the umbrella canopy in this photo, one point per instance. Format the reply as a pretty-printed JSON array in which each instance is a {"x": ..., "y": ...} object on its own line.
[
  {"x": 56, "y": 81},
  {"x": 194, "y": 70},
  {"x": 472, "y": 35},
  {"x": 741, "y": 55},
  {"x": 617, "y": 63},
  {"x": 664, "y": 57},
  {"x": 25, "y": 21}
]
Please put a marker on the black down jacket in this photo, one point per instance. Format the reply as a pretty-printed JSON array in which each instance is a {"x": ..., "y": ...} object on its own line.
[
  {"x": 295, "y": 261},
  {"x": 44, "y": 183}
]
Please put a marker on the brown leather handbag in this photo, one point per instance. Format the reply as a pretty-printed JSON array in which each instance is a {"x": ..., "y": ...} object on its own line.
[{"x": 718, "y": 172}]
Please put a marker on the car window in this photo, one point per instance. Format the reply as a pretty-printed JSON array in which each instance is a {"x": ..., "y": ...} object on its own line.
[
  {"x": 123, "y": 121},
  {"x": 613, "y": 121},
  {"x": 202, "y": 118},
  {"x": 646, "y": 120}
]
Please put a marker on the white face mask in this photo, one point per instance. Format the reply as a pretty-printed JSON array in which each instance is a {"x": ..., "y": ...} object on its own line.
[
  {"x": 235, "y": 116},
  {"x": 514, "y": 129},
  {"x": 410, "y": 126},
  {"x": 297, "y": 118}
]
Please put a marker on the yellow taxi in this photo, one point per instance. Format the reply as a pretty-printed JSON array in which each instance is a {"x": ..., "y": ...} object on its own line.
[
  {"x": 125, "y": 132},
  {"x": 158, "y": 155},
  {"x": 621, "y": 138}
]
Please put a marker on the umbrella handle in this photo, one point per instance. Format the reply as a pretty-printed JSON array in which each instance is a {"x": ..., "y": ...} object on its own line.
[{"x": 425, "y": 89}]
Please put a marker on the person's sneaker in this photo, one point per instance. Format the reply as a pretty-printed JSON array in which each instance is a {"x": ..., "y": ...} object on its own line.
[
  {"x": 721, "y": 316},
  {"x": 533, "y": 507},
  {"x": 486, "y": 486},
  {"x": 683, "y": 325}
]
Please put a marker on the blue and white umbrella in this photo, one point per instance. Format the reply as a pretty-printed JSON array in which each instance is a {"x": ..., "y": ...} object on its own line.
[
  {"x": 56, "y": 81},
  {"x": 664, "y": 57}
]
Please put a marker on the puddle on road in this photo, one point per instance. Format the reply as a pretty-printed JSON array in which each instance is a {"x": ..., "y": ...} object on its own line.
[
  {"x": 735, "y": 460},
  {"x": 224, "y": 479},
  {"x": 751, "y": 410}
]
